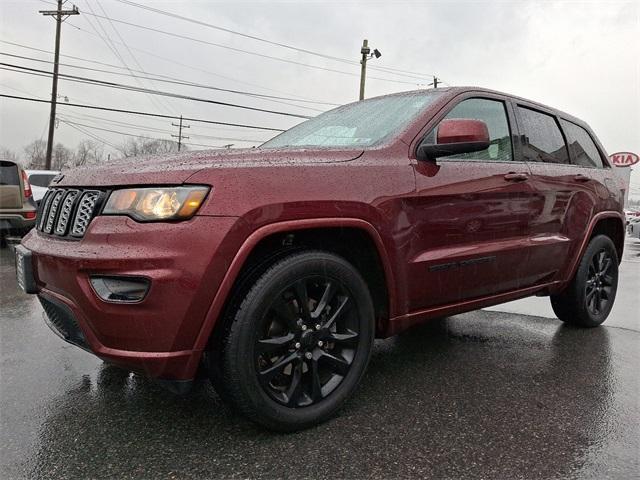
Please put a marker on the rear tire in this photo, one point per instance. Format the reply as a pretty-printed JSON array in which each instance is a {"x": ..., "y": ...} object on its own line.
[
  {"x": 588, "y": 299},
  {"x": 299, "y": 343}
]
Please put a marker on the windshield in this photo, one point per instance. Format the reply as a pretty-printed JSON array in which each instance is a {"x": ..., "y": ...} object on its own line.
[{"x": 361, "y": 124}]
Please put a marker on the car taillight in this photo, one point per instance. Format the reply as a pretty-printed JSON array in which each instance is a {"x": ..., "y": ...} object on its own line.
[
  {"x": 29, "y": 215},
  {"x": 27, "y": 185}
]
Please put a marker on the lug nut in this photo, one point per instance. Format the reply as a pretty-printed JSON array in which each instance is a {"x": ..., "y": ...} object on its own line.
[
  {"x": 318, "y": 326},
  {"x": 308, "y": 355},
  {"x": 304, "y": 327},
  {"x": 298, "y": 345},
  {"x": 320, "y": 343}
]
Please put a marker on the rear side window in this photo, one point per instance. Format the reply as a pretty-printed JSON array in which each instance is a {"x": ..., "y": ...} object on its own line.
[
  {"x": 41, "y": 179},
  {"x": 493, "y": 113},
  {"x": 583, "y": 151},
  {"x": 9, "y": 174},
  {"x": 544, "y": 141}
]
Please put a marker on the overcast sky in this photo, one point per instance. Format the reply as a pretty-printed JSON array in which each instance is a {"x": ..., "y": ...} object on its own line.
[{"x": 581, "y": 57}]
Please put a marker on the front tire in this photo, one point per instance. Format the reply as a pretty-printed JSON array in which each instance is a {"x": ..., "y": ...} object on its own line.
[
  {"x": 588, "y": 299},
  {"x": 299, "y": 343}
]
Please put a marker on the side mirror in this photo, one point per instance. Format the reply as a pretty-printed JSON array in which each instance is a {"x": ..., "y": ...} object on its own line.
[{"x": 456, "y": 135}]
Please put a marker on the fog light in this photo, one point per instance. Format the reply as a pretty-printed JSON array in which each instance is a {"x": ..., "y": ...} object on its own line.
[{"x": 120, "y": 289}]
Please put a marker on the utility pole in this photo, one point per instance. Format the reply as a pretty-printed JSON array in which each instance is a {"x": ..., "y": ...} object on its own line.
[
  {"x": 58, "y": 14},
  {"x": 180, "y": 136},
  {"x": 435, "y": 82},
  {"x": 363, "y": 69}
]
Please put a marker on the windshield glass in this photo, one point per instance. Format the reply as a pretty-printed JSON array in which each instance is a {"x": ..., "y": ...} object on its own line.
[{"x": 360, "y": 124}]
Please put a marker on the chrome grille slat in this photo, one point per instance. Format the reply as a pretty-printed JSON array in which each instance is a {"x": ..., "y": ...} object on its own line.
[
  {"x": 53, "y": 210},
  {"x": 65, "y": 212},
  {"x": 44, "y": 211},
  {"x": 84, "y": 212}
]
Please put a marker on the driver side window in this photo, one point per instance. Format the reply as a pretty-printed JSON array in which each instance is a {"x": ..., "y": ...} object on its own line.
[{"x": 494, "y": 114}]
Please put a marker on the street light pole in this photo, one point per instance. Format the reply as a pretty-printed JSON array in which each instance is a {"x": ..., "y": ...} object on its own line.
[{"x": 365, "y": 50}]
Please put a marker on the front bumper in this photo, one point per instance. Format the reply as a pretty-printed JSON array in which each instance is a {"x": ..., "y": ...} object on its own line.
[{"x": 185, "y": 263}]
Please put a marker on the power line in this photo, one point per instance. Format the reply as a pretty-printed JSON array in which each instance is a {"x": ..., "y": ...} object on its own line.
[
  {"x": 87, "y": 117},
  {"x": 111, "y": 45},
  {"x": 248, "y": 52},
  {"x": 175, "y": 62},
  {"x": 171, "y": 80},
  {"x": 102, "y": 120},
  {"x": 148, "y": 114},
  {"x": 137, "y": 136},
  {"x": 271, "y": 42},
  {"x": 95, "y": 137},
  {"x": 150, "y": 91}
]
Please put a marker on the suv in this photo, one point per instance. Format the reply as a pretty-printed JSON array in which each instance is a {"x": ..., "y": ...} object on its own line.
[
  {"x": 17, "y": 207},
  {"x": 276, "y": 267},
  {"x": 40, "y": 180}
]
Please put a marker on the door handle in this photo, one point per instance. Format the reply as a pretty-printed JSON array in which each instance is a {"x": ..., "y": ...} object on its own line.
[
  {"x": 581, "y": 178},
  {"x": 516, "y": 177}
]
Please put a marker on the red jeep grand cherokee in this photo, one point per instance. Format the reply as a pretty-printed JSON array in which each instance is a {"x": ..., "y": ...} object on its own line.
[{"x": 276, "y": 267}]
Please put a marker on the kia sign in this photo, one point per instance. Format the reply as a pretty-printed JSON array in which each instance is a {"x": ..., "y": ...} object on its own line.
[{"x": 624, "y": 159}]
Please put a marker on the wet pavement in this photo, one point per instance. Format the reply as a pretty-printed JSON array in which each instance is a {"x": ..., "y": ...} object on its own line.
[{"x": 482, "y": 395}]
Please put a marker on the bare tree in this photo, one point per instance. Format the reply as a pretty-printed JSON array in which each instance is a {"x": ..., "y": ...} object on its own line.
[
  {"x": 8, "y": 154},
  {"x": 35, "y": 154},
  {"x": 139, "y": 146},
  {"x": 88, "y": 152},
  {"x": 60, "y": 157}
]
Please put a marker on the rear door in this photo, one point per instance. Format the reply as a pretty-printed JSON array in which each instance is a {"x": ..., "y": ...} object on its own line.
[
  {"x": 564, "y": 189},
  {"x": 470, "y": 215},
  {"x": 10, "y": 188}
]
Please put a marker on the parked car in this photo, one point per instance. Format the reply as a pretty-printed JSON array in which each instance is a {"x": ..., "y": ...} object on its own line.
[
  {"x": 17, "y": 208},
  {"x": 40, "y": 180},
  {"x": 275, "y": 267}
]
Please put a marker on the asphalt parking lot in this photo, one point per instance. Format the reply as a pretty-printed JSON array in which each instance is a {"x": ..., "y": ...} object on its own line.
[{"x": 489, "y": 394}]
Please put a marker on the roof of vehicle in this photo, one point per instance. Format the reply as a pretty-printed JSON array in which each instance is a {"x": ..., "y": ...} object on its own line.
[{"x": 454, "y": 91}]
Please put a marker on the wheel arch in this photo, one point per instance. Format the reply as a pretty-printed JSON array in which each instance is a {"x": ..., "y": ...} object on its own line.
[
  {"x": 610, "y": 224},
  {"x": 268, "y": 243}
]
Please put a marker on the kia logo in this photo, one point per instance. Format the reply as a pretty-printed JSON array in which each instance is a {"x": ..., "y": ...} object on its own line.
[{"x": 624, "y": 159}]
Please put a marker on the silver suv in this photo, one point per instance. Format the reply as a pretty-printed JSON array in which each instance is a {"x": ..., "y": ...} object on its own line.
[{"x": 17, "y": 207}]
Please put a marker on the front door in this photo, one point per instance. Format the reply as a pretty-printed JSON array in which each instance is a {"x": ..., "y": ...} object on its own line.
[{"x": 471, "y": 217}]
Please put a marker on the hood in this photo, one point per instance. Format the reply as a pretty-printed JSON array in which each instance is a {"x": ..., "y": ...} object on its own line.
[{"x": 176, "y": 169}]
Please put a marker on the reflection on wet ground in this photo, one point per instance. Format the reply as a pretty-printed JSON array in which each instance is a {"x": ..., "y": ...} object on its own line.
[{"x": 480, "y": 395}]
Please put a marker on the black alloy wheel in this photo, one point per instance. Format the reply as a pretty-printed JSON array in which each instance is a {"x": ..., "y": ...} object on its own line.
[
  {"x": 599, "y": 284},
  {"x": 308, "y": 343}
]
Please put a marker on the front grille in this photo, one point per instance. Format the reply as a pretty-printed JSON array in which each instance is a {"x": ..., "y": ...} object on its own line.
[
  {"x": 61, "y": 320},
  {"x": 65, "y": 212}
]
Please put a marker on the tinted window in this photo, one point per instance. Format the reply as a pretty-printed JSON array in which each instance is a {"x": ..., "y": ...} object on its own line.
[
  {"x": 583, "y": 151},
  {"x": 359, "y": 124},
  {"x": 9, "y": 174},
  {"x": 493, "y": 113},
  {"x": 544, "y": 141},
  {"x": 41, "y": 179}
]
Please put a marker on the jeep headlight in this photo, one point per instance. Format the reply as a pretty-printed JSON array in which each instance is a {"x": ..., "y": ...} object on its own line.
[{"x": 156, "y": 203}]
